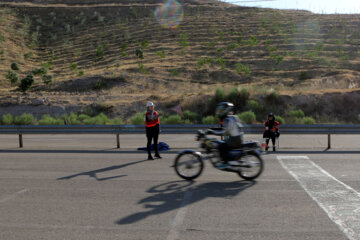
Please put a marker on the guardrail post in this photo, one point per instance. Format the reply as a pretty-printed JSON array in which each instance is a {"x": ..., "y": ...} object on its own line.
[
  {"x": 329, "y": 141},
  {"x": 20, "y": 141},
  {"x": 118, "y": 140}
]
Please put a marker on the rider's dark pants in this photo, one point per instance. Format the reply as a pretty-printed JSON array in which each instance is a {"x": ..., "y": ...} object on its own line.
[
  {"x": 152, "y": 133},
  {"x": 226, "y": 146}
]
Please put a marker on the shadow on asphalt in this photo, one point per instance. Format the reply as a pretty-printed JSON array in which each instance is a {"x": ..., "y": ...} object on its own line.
[
  {"x": 94, "y": 172},
  {"x": 170, "y": 196}
]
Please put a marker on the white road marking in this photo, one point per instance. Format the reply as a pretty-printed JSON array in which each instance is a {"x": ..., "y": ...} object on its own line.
[
  {"x": 179, "y": 218},
  {"x": 338, "y": 200},
  {"x": 9, "y": 197}
]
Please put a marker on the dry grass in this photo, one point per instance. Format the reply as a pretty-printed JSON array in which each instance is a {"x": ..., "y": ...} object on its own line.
[{"x": 277, "y": 46}]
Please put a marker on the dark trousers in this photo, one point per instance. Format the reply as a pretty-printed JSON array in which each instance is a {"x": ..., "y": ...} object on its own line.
[
  {"x": 152, "y": 133},
  {"x": 225, "y": 147},
  {"x": 271, "y": 135}
]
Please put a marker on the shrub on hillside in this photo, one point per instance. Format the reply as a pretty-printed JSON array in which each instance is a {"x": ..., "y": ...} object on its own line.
[
  {"x": 304, "y": 76},
  {"x": 219, "y": 95},
  {"x": 117, "y": 121},
  {"x": 145, "y": 44},
  {"x": 12, "y": 76},
  {"x": 238, "y": 98},
  {"x": 26, "y": 83},
  {"x": 24, "y": 119},
  {"x": 273, "y": 98},
  {"x": 247, "y": 117},
  {"x": 142, "y": 68},
  {"x": 71, "y": 119},
  {"x": 280, "y": 119},
  {"x": 99, "y": 85},
  {"x": 100, "y": 50},
  {"x": 40, "y": 71},
  {"x": 100, "y": 119},
  {"x": 253, "y": 105},
  {"x": 209, "y": 120},
  {"x": 191, "y": 116},
  {"x": 7, "y": 119},
  {"x": 137, "y": 119},
  {"x": 47, "y": 79},
  {"x": 139, "y": 53},
  {"x": 297, "y": 113},
  {"x": 48, "y": 120},
  {"x": 14, "y": 66},
  {"x": 173, "y": 119},
  {"x": 242, "y": 69},
  {"x": 308, "y": 120}
]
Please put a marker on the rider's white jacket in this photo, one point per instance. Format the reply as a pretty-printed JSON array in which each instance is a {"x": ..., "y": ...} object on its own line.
[
  {"x": 232, "y": 130},
  {"x": 233, "y": 127}
]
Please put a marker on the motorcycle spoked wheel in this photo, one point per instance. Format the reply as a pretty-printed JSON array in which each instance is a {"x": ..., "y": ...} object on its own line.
[
  {"x": 188, "y": 165},
  {"x": 253, "y": 166}
]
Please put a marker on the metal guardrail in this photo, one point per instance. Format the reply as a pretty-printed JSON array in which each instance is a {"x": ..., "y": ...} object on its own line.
[{"x": 171, "y": 129}]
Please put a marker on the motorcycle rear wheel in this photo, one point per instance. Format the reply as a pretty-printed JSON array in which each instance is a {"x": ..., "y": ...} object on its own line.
[{"x": 188, "y": 165}]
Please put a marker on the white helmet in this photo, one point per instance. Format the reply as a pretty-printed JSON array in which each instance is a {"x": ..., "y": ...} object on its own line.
[{"x": 149, "y": 104}]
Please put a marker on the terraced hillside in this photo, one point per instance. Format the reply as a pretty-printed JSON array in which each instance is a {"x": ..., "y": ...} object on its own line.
[{"x": 117, "y": 54}]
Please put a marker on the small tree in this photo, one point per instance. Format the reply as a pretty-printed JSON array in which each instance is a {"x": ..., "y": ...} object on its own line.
[
  {"x": 26, "y": 83},
  {"x": 15, "y": 66}
]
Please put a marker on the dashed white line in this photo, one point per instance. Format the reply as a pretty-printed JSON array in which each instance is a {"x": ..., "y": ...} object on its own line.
[
  {"x": 9, "y": 197},
  {"x": 338, "y": 200},
  {"x": 179, "y": 218}
]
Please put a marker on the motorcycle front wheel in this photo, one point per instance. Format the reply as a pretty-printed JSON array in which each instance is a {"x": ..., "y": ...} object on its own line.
[
  {"x": 252, "y": 166},
  {"x": 188, "y": 165}
]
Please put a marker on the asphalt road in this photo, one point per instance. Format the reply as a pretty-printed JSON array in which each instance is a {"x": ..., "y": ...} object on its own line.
[{"x": 81, "y": 187}]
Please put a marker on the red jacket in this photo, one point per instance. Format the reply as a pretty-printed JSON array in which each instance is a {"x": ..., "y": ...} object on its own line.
[
  {"x": 273, "y": 126},
  {"x": 151, "y": 119}
]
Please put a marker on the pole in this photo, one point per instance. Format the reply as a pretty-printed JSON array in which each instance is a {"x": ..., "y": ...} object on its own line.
[
  {"x": 20, "y": 141},
  {"x": 118, "y": 140},
  {"x": 329, "y": 141}
]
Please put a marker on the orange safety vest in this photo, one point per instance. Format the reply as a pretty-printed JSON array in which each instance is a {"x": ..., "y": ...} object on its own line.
[{"x": 152, "y": 122}]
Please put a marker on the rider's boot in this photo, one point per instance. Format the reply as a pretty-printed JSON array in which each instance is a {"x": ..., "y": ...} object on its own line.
[{"x": 274, "y": 149}]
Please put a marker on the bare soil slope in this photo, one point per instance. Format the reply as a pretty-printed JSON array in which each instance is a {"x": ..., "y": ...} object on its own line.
[{"x": 89, "y": 47}]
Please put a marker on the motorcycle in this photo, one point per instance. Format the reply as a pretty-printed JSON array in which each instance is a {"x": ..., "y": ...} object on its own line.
[{"x": 246, "y": 161}]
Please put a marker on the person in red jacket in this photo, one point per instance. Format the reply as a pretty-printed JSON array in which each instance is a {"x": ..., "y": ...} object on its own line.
[
  {"x": 152, "y": 124},
  {"x": 271, "y": 130}
]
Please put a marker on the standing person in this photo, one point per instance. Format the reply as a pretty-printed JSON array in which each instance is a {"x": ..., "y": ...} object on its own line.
[
  {"x": 152, "y": 124},
  {"x": 271, "y": 130}
]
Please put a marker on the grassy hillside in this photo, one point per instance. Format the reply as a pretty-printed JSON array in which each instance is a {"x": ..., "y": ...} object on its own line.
[{"x": 89, "y": 48}]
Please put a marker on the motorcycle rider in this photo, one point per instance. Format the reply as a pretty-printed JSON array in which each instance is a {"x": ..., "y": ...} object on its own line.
[
  {"x": 271, "y": 130},
  {"x": 232, "y": 130}
]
